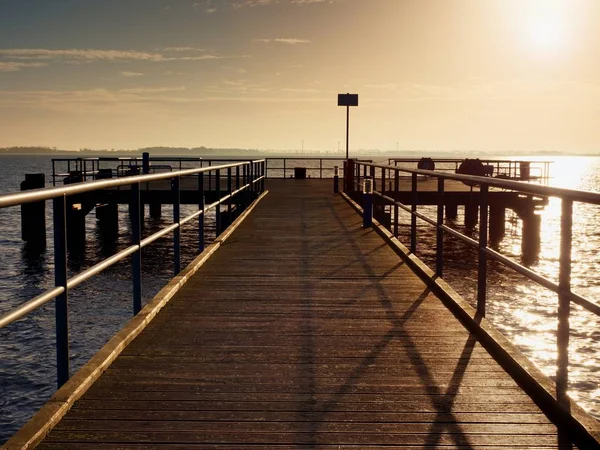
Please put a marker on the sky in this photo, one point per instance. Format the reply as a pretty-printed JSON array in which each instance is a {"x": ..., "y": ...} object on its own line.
[{"x": 488, "y": 75}]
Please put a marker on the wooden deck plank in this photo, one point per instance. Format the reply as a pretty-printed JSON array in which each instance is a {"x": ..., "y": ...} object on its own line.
[{"x": 305, "y": 330}]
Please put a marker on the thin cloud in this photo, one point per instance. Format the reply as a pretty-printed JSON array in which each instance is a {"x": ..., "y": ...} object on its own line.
[
  {"x": 90, "y": 55},
  {"x": 182, "y": 49},
  {"x": 12, "y": 66},
  {"x": 290, "y": 41},
  {"x": 79, "y": 54},
  {"x": 131, "y": 74}
]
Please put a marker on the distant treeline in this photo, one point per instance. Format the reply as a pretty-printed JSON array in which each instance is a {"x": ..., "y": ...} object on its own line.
[
  {"x": 184, "y": 151},
  {"x": 235, "y": 152}
]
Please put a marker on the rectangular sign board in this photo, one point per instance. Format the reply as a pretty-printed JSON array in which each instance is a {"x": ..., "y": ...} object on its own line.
[{"x": 347, "y": 99}]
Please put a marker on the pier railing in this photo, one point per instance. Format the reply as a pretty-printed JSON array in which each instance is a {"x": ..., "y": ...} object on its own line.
[
  {"x": 524, "y": 170},
  {"x": 382, "y": 176},
  {"x": 92, "y": 168},
  {"x": 244, "y": 181}
]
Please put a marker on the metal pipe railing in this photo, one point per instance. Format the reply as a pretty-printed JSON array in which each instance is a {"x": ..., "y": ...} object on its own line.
[
  {"x": 253, "y": 182},
  {"x": 562, "y": 288}
]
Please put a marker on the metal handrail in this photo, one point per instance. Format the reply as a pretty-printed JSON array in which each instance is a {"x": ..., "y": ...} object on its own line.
[
  {"x": 36, "y": 195},
  {"x": 562, "y": 288},
  {"x": 253, "y": 176}
]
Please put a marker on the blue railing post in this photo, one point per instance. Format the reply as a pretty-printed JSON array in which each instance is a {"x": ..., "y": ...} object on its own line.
[
  {"x": 483, "y": 238},
  {"x": 413, "y": 217},
  {"x": 218, "y": 207},
  {"x": 564, "y": 303},
  {"x": 396, "y": 209},
  {"x": 175, "y": 186},
  {"x": 439, "y": 260},
  {"x": 368, "y": 202},
  {"x": 246, "y": 194},
  {"x": 230, "y": 200},
  {"x": 136, "y": 237},
  {"x": 203, "y": 215},
  {"x": 60, "y": 279}
]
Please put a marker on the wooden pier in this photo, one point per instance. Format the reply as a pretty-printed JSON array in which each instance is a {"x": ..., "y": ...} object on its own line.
[{"x": 304, "y": 330}]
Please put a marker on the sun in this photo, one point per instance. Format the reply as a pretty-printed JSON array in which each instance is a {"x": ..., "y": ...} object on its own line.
[{"x": 546, "y": 36}]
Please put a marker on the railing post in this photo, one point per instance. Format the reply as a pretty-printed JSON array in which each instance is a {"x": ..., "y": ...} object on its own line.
[
  {"x": 175, "y": 186},
  {"x": 439, "y": 260},
  {"x": 263, "y": 174},
  {"x": 245, "y": 183},
  {"x": 564, "y": 305},
  {"x": 483, "y": 239},
  {"x": 396, "y": 209},
  {"x": 136, "y": 237},
  {"x": 218, "y": 207},
  {"x": 60, "y": 279},
  {"x": 368, "y": 202},
  {"x": 413, "y": 217},
  {"x": 201, "y": 208},
  {"x": 229, "y": 201}
]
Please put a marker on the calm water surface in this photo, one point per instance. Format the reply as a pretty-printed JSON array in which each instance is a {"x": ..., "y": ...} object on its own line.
[{"x": 523, "y": 311}]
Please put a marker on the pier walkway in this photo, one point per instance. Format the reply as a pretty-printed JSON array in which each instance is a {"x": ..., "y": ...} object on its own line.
[{"x": 304, "y": 330}]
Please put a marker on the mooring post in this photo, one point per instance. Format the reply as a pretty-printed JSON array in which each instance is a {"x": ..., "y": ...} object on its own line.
[
  {"x": 33, "y": 215},
  {"x": 336, "y": 179},
  {"x": 367, "y": 202}
]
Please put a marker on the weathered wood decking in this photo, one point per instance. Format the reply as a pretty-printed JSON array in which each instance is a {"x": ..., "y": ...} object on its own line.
[{"x": 304, "y": 330}]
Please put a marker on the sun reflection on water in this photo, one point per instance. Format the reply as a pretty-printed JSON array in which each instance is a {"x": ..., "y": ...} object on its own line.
[{"x": 526, "y": 312}]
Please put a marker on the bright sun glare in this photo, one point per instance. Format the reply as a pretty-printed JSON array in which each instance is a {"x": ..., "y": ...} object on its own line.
[{"x": 546, "y": 35}]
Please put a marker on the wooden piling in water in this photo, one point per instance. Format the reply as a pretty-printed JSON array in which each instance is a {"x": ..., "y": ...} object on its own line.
[{"x": 33, "y": 215}]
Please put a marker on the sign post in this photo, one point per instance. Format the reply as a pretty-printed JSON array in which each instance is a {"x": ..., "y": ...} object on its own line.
[{"x": 347, "y": 100}]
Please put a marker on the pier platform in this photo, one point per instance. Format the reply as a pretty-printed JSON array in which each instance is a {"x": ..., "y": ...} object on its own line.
[{"x": 305, "y": 330}]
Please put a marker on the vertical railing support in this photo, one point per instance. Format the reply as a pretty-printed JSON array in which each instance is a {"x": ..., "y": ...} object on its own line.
[
  {"x": 564, "y": 304},
  {"x": 439, "y": 260},
  {"x": 246, "y": 188},
  {"x": 60, "y": 279},
  {"x": 230, "y": 200},
  {"x": 367, "y": 202},
  {"x": 483, "y": 239},
  {"x": 218, "y": 207},
  {"x": 202, "y": 216},
  {"x": 175, "y": 186},
  {"x": 413, "y": 217},
  {"x": 396, "y": 209},
  {"x": 136, "y": 237}
]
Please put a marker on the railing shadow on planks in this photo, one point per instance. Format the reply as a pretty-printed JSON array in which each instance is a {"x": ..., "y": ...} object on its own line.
[
  {"x": 243, "y": 181},
  {"x": 379, "y": 175}
]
